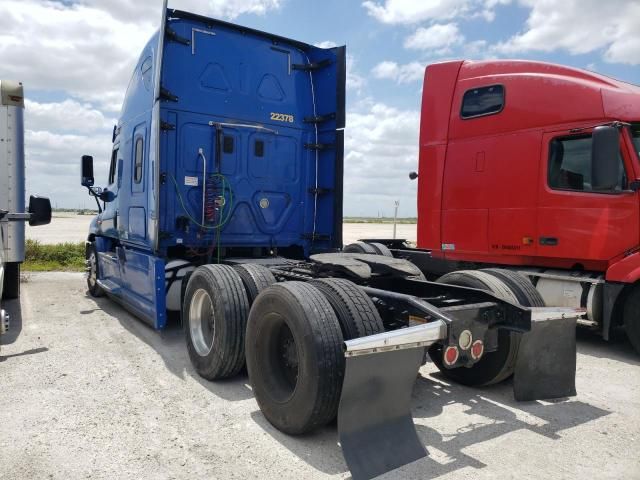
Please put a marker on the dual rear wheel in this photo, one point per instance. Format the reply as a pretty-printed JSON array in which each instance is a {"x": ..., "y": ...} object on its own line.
[{"x": 291, "y": 335}]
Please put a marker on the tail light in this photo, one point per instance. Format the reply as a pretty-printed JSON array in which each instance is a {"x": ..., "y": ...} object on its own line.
[
  {"x": 451, "y": 355},
  {"x": 477, "y": 349}
]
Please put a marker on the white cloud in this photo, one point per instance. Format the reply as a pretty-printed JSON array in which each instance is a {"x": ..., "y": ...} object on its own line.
[
  {"x": 413, "y": 11},
  {"x": 407, "y": 73},
  {"x": 326, "y": 44},
  {"x": 233, "y": 9},
  {"x": 381, "y": 148},
  {"x": 488, "y": 10},
  {"x": 579, "y": 27},
  {"x": 133, "y": 11},
  {"x": 80, "y": 50},
  {"x": 439, "y": 37},
  {"x": 53, "y": 164},
  {"x": 66, "y": 116},
  {"x": 416, "y": 11},
  {"x": 355, "y": 81}
]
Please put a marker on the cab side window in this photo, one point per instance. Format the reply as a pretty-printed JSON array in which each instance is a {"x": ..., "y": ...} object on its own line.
[
  {"x": 482, "y": 101},
  {"x": 570, "y": 165},
  {"x": 138, "y": 159},
  {"x": 113, "y": 166}
]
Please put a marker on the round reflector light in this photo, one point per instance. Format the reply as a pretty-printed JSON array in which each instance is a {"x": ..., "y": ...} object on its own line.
[
  {"x": 477, "y": 349},
  {"x": 451, "y": 355},
  {"x": 465, "y": 339}
]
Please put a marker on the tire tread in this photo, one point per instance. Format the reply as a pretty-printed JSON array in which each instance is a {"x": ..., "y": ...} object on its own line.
[
  {"x": 356, "y": 312},
  {"x": 226, "y": 283}
]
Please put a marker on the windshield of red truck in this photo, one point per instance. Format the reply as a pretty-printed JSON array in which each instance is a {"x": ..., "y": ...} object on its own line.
[{"x": 635, "y": 134}]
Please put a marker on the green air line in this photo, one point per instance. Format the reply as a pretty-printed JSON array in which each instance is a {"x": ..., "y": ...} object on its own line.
[{"x": 223, "y": 221}]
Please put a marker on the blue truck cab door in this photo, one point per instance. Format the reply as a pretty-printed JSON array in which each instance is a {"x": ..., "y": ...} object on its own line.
[
  {"x": 142, "y": 273},
  {"x": 132, "y": 184},
  {"x": 106, "y": 243}
]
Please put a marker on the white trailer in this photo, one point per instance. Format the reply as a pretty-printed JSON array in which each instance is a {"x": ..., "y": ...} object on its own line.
[{"x": 12, "y": 194}]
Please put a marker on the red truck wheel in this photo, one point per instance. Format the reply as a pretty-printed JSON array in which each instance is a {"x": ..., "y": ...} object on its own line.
[
  {"x": 381, "y": 249},
  {"x": 360, "y": 247},
  {"x": 494, "y": 366},
  {"x": 631, "y": 317}
]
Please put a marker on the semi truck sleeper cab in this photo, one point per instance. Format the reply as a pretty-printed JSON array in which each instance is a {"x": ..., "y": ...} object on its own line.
[{"x": 535, "y": 167}]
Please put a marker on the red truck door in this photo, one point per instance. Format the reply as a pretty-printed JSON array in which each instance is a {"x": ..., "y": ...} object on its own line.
[{"x": 576, "y": 222}]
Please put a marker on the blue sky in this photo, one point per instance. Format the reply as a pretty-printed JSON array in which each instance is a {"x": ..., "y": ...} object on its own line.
[{"x": 75, "y": 58}]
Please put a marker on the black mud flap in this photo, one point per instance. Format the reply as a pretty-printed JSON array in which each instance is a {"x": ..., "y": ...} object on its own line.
[
  {"x": 375, "y": 425},
  {"x": 546, "y": 363}
]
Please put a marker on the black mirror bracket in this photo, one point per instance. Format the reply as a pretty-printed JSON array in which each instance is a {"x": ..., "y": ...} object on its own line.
[{"x": 95, "y": 192}]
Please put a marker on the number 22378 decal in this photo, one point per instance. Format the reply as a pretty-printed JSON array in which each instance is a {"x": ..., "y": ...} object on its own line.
[{"x": 281, "y": 117}]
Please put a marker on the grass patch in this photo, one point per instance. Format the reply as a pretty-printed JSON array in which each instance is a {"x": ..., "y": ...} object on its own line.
[{"x": 62, "y": 256}]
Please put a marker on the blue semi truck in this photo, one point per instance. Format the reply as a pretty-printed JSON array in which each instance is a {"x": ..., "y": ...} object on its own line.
[{"x": 224, "y": 203}]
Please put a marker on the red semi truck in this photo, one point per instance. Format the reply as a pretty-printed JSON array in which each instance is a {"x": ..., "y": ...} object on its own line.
[{"x": 537, "y": 167}]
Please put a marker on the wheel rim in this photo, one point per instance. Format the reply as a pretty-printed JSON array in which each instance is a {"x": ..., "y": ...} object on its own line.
[
  {"x": 201, "y": 322},
  {"x": 93, "y": 271}
]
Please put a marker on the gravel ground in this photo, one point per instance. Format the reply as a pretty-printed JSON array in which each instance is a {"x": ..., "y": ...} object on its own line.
[
  {"x": 88, "y": 391},
  {"x": 69, "y": 227}
]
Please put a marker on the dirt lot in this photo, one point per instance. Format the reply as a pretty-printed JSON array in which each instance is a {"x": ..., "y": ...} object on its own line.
[
  {"x": 69, "y": 227},
  {"x": 64, "y": 227},
  {"x": 87, "y": 391}
]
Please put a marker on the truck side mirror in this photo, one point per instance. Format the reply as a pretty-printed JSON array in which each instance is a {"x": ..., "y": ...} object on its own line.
[
  {"x": 86, "y": 178},
  {"x": 605, "y": 168},
  {"x": 413, "y": 175},
  {"x": 40, "y": 210}
]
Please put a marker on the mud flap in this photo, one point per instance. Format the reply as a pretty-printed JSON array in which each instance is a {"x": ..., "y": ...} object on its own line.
[
  {"x": 375, "y": 426},
  {"x": 546, "y": 363}
]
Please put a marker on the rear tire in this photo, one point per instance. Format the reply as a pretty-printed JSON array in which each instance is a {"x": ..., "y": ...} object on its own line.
[
  {"x": 11, "y": 287},
  {"x": 381, "y": 249},
  {"x": 356, "y": 312},
  {"x": 520, "y": 285},
  {"x": 631, "y": 317},
  {"x": 360, "y": 247},
  {"x": 255, "y": 279},
  {"x": 294, "y": 357},
  {"x": 215, "y": 313},
  {"x": 496, "y": 366}
]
